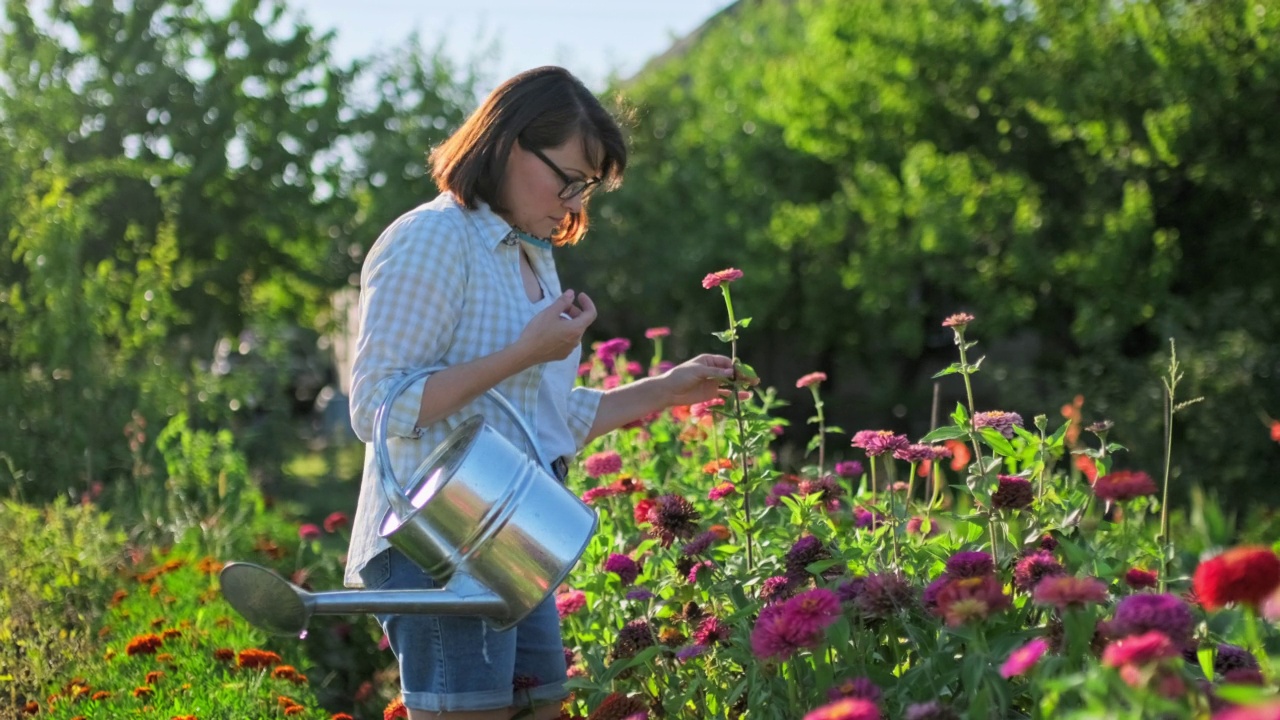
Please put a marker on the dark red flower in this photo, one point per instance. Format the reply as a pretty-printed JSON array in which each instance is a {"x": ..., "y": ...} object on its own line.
[
  {"x": 1124, "y": 485},
  {"x": 1246, "y": 574}
]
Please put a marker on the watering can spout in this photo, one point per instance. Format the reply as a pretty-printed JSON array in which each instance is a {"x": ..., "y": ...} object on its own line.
[{"x": 276, "y": 605}]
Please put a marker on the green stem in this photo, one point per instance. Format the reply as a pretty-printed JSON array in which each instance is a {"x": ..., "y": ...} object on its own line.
[
  {"x": 742, "y": 430},
  {"x": 822, "y": 431},
  {"x": 1163, "y": 539}
]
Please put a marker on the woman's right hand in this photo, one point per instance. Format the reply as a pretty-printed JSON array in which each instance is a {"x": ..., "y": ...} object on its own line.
[{"x": 557, "y": 330}]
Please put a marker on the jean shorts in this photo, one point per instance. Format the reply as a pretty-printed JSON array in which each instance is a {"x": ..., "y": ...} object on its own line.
[{"x": 450, "y": 663}]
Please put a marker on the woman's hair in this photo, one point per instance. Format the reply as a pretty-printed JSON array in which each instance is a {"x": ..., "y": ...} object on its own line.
[{"x": 539, "y": 108}]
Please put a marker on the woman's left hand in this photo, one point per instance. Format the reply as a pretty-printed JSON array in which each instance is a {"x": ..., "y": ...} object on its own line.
[{"x": 698, "y": 380}]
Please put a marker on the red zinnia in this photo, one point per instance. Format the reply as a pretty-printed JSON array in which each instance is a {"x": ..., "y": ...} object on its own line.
[
  {"x": 1140, "y": 578},
  {"x": 1124, "y": 485},
  {"x": 1246, "y": 574},
  {"x": 395, "y": 709},
  {"x": 1275, "y": 430},
  {"x": 309, "y": 531},
  {"x": 336, "y": 519},
  {"x": 720, "y": 277}
]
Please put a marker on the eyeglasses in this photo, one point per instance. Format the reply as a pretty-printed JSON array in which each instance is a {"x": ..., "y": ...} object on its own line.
[{"x": 572, "y": 188}]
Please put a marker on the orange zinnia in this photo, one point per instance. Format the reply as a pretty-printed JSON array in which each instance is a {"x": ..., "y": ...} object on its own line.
[
  {"x": 254, "y": 659},
  {"x": 143, "y": 644}
]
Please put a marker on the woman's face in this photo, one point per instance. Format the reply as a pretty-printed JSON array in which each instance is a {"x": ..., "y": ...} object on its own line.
[{"x": 531, "y": 189}]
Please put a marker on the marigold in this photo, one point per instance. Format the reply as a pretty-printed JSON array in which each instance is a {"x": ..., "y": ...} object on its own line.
[
  {"x": 31, "y": 708},
  {"x": 721, "y": 277},
  {"x": 294, "y": 710},
  {"x": 117, "y": 597},
  {"x": 153, "y": 677},
  {"x": 143, "y": 692},
  {"x": 254, "y": 659},
  {"x": 101, "y": 695},
  {"x": 1247, "y": 574},
  {"x": 143, "y": 644}
]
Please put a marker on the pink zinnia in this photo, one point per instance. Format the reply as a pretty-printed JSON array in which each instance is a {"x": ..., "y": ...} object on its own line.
[
  {"x": 957, "y": 320},
  {"x": 1124, "y": 485},
  {"x": 1024, "y": 658},
  {"x": 811, "y": 612},
  {"x": 723, "y": 490},
  {"x": 846, "y": 709},
  {"x": 879, "y": 442},
  {"x": 914, "y": 453},
  {"x": 1063, "y": 591},
  {"x": 1033, "y": 568},
  {"x": 623, "y": 566},
  {"x": 603, "y": 463},
  {"x": 712, "y": 630},
  {"x": 812, "y": 378},
  {"x": 570, "y": 602},
  {"x": 335, "y": 520},
  {"x": 774, "y": 636},
  {"x": 701, "y": 567},
  {"x": 703, "y": 409},
  {"x": 998, "y": 420},
  {"x": 1141, "y": 649},
  {"x": 720, "y": 277},
  {"x": 657, "y": 332},
  {"x": 961, "y": 600},
  {"x": 309, "y": 531},
  {"x": 592, "y": 494}
]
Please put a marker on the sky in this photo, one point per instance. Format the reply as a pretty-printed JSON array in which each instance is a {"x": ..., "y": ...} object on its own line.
[{"x": 592, "y": 39}]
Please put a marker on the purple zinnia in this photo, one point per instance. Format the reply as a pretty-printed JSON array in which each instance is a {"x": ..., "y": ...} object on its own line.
[
  {"x": 970, "y": 563},
  {"x": 881, "y": 442},
  {"x": 687, "y": 653},
  {"x": 1232, "y": 657},
  {"x": 884, "y": 594},
  {"x": 632, "y": 638},
  {"x": 639, "y": 594},
  {"x": 804, "y": 552},
  {"x": 914, "y": 453},
  {"x": 932, "y": 710},
  {"x": 1162, "y": 612},
  {"x": 623, "y": 566},
  {"x": 1035, "y": 567},
  {"x": 998, "y": 420},
  {"x": 849, "y": 468},
  {"x": 698, "y": 545},
  {"x": 779, "y": 491}
]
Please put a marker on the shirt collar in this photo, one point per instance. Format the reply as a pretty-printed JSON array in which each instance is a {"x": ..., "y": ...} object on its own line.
[{"x": 491, "y": 228}]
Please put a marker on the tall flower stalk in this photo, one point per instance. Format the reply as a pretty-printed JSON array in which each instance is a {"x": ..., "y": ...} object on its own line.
[
  {"x": 743, "y": 374},
  {"x": 812, "y": 381},
  {"x": 1171, "y": 407}
]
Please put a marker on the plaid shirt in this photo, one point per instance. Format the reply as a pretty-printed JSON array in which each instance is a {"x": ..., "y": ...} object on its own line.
[{"x": 440, "y": 288}]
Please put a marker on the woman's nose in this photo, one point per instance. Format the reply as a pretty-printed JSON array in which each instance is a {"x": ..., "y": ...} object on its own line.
[{"x": 573, "y": 204}]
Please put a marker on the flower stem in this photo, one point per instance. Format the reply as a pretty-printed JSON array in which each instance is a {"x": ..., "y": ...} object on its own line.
[
  {"x": 822, "y": 430},
  {"x": 742, "y": 430}
]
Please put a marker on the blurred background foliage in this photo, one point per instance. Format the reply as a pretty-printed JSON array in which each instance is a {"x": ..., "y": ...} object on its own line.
[{"x": 185, "y": 193}]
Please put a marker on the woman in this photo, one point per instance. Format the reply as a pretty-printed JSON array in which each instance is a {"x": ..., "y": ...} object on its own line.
[{"x": 467, "y": 282}]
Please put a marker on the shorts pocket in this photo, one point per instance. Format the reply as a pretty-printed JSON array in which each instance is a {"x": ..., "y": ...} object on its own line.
[{"x": 377, "y": 571}]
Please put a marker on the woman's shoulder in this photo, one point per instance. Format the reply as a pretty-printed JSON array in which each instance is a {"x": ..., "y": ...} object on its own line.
[{"x": 439, "y": 225}]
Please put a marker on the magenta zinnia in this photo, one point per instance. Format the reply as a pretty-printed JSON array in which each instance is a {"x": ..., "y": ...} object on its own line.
[
  {"x": 623, "y": 566},
  {"x": 723, "y": 490},
  {"x": 1124, "y": 485},
  {"x": 811, "y": 612},
  {"x": 1063, "y": 591},
  {"x": 970, "y": 563},
  {"x": 774, "y": 635},
  {"x": 720, "y": 277},
  {"x": 1033, "y": 568},
  {"x": 1024, "y": 658},
  {"x": 603, "y": 463},
  {"x": 1141, "y": 649}
]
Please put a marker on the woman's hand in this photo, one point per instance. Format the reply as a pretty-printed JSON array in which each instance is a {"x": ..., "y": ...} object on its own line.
[
  {"x": 557, "y": 330},
  {"x": 697, "y": 380}
]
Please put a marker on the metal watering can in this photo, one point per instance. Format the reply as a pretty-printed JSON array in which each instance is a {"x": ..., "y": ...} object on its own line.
[{"x": 479, "y": 516}]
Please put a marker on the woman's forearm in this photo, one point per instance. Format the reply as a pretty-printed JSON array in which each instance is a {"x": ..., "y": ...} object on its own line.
[
  {"x": 450, "y": 389},
  {"x": 629, "y": 403}
]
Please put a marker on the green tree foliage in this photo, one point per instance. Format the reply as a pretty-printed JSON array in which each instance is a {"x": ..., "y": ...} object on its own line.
[
  {"x": 173, "y": 179},
  {"x": 1089, "y": 178}
]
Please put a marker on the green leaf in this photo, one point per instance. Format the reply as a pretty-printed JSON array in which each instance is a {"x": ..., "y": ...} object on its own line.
[
  {"x": 960, "y": 416},
  {"x": 951, "y": 369},
  {"x": 744, "y": 322},
  {"x": 725, "y": 335},
  {"x": 1205, "y": 656},
  {"x": 946, "y": 432},
  {"x": 993, "y": 439}
]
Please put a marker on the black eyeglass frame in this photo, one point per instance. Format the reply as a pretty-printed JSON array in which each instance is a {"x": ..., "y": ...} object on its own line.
[{"x": 572, "y": 188}]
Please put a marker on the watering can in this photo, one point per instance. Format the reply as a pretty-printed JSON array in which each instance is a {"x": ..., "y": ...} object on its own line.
[{"x": 484, "y": 519}]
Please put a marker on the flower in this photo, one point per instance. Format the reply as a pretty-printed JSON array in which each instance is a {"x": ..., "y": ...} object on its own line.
[
  {"x": 778, "y": 587},
  {"x": 932, "y": 710},
  {"x": 673, "y": 517},
  {"x": 1275, "y": 430},
  {"x": 712, "y": 630},
  {"x": 607, "y": 350},
  {"x": 1014, "y": 493},
  {"x": 1033, "y": 568},
  {"x": 720, "y": 277},
  {"x": 812, "y": 378},
  {"x": 811, "y": 612},
  {"x": 255, "y": 659},
  {"x": 960, "y": 454},
  {"x": 1141, "y": 649},
  {"x": 914, "y": 453},
  {"x": 804, "y": 552},
  {"x": 960, "y": 600},
  {"x": 144, "y": 644},
  {"x": 593, "y": 494},
  {"x": 623, "y": 566},
  {"x": 570, "y": 602},
  {"x": 1140, "y": 578},
  {"x": 845, "y": 709},
  {"x": 699, "y": 545},
  {"x": 721, "y": 491},
  {"x": 697, "y": 568},
  {"x": 1167, "y": 614},
  {"x": 878, "y": 442},
  {"x": 336, "y": 519},
  {"x": 959, "y": 320},
  {"x": 1024, "y": 658},
  {"x": 1231, "y": 657},
  {"x": 775, "y": 636},
  {"x": 1266, "y": 711},
  {"x": 882, "y": 595},
  {"x": 1063, "y": 591},
  {"x": 970, "y": 563},
  {"x": 1247, "y": 574},
  {"x": 620, "y": 707},
  {"x": 849, "y": 468},
  {"x": 916, "y": 523},
  {"x": 687, "y": 653},
  {"x": 715, "y": 466},
  {"x": 634, "y": 637},
  {"x": 1123, "y": 485},
  {"x": 642, "y": 508},
  {"x": 657, "y": 332},
  {"x": 639, "y": 594},
  {"x": 779, "y": 491},
  {"x": 603, "y": 463},
  {"x": 309, "y": 531},
  {"x": 855, "y": 688},
  {"x": 395, "y": 709},
  {"x": 998, "y": 420}
]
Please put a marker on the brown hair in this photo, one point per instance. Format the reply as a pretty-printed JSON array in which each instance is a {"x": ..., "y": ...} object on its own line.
[{"x": 539, "y": 108}]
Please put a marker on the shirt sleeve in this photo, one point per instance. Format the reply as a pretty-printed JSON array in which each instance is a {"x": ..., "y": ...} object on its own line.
[
  {"x": 583, "y": 404},
  {"x": 411, "y": 298}
]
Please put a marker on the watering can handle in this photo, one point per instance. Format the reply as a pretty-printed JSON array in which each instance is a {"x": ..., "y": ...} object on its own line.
[{"x": 382, "y": 456}]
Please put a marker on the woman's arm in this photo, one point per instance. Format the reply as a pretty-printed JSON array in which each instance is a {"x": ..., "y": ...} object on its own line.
[{"x": 693, "y": 381}]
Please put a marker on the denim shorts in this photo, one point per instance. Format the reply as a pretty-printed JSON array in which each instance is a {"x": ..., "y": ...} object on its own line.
[{"x": 452, "y": 663}]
